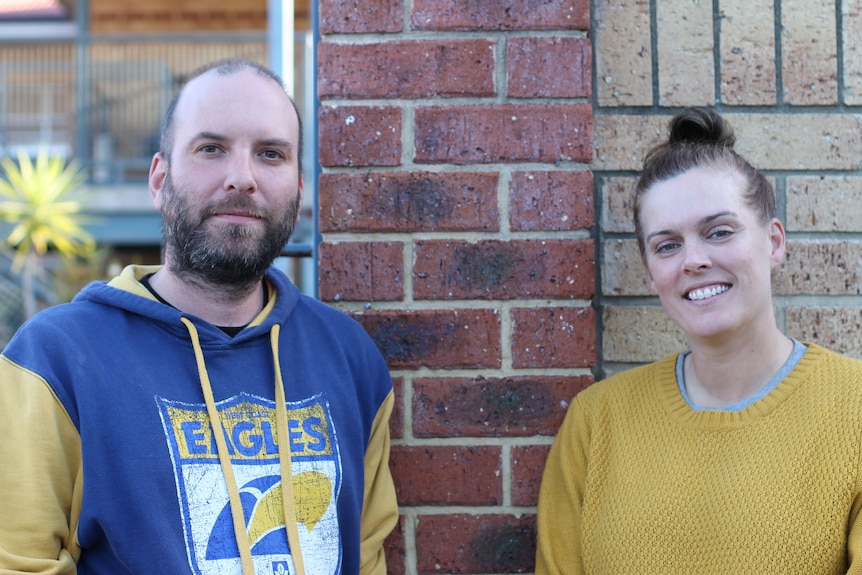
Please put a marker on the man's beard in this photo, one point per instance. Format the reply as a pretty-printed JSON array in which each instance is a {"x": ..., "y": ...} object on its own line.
[{"x": 231, "y": 258}]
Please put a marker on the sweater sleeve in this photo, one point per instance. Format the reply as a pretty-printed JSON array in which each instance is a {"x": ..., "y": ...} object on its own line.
[
  {"x": 380, "y": 509},
  {"x": 40, "y": 476},
  {"x": 559, "y": 530}
]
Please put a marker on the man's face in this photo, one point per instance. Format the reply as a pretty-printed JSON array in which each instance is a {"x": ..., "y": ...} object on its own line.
[
  {"x": 230, "y": 254},
  {"x": 231, "y": 191}
]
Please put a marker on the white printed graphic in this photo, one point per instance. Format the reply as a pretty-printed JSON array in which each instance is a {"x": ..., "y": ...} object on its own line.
[{"x": 253, "y": 449}]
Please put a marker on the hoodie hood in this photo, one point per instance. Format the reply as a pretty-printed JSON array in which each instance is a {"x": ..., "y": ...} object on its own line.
[{"x": 137, "y": 299}]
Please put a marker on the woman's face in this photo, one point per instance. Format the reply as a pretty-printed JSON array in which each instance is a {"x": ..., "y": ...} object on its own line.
[{"x": 708, "y": 258}]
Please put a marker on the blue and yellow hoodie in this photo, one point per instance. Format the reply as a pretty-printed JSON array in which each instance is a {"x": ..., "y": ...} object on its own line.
[{"x": 109, "y": 462}]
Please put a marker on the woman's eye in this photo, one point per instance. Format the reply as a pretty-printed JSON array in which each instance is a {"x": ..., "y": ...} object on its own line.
[
  {"x": 665, "y": 247},
  {"x": 719, "y": 234}
]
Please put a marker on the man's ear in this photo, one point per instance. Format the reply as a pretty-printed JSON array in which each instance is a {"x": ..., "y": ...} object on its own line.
[
  {"x": 301, "y": 198},
  {"x": 156, "y": 180}
]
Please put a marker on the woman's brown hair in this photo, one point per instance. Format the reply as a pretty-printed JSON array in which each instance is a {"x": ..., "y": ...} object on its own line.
[{"x": 701, "y": 138}]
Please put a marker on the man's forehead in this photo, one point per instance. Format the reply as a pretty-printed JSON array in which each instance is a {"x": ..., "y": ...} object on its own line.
[
  {"x": 213, "y": 99},
  {"x": 240, "y": 84}
]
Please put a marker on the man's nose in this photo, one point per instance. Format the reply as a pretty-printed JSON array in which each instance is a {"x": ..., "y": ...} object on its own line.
[{"x": 240, "y": 174}]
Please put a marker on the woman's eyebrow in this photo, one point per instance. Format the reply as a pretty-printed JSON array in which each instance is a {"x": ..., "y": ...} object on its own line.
[{"x": 701, "y": 222}]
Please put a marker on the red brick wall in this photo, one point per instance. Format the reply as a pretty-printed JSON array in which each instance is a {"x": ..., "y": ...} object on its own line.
[{"x": 456, "y": 207}]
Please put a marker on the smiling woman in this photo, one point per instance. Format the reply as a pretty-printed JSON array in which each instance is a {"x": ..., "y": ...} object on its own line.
[{"x": 740, "y": 454}]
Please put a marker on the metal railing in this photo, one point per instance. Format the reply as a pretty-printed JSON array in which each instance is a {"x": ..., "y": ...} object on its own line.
[{"x": 101, "y": 101}]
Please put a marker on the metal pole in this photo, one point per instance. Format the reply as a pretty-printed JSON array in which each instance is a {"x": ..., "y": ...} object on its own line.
[{"x": 82, "y": 82}]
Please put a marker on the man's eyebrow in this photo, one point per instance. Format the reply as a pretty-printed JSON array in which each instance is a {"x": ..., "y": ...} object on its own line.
[
  {"x": 209, "y": 136},
  {"x": 276, "y": 143},
  {"x": 212, "y": 136}
]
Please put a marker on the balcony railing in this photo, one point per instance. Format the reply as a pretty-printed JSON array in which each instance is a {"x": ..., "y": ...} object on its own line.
[{"x": 100, "y": 100}]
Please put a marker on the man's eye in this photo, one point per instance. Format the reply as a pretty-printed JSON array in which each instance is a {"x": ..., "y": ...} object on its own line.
[
  {"x": 209, "y": 149},
  {"x": 273, "y": 155}
]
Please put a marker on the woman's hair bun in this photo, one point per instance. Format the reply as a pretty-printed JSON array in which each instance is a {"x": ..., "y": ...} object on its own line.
[{"x": 701, "y": 126}]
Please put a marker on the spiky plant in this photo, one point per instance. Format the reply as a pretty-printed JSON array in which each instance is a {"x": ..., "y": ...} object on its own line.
[{"x": 37, "y": 200}]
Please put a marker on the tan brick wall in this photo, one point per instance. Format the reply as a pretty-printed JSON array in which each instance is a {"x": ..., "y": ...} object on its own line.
[{"x": 795, "y": 120}]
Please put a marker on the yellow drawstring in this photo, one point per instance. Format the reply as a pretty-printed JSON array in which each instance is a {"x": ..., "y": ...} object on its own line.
[
  {"x": 239, "y": 528},
  {"x": 284, "y": 460},
  {"x": 282, "y": 438}
]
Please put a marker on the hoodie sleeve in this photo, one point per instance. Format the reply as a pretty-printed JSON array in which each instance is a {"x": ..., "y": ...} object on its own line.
[
  {"x": 40, "y": 476},
  {"x": 380, "y": 508}
]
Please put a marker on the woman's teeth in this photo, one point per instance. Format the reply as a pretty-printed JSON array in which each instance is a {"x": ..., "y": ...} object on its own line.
[{"x": 708, "y": 292}]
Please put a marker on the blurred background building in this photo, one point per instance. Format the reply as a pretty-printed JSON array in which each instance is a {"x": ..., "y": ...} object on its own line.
[{"x": 90, "y": 80}]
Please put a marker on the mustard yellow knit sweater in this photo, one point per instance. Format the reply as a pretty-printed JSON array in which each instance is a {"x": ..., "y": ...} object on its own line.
[{"x": 639, "y": 483}]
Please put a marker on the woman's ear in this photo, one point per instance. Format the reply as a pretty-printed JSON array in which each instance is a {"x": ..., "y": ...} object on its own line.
[{"x": 778, "y": 241}]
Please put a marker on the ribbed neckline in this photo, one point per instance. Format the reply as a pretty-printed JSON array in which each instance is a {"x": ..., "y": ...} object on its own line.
[{"x": 668, "y": 395}]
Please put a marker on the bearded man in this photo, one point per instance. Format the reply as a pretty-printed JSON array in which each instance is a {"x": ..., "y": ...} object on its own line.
[{"x": 201, "y": 416}]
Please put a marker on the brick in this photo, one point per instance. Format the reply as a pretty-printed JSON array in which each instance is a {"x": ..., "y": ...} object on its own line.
[
  {"x": 623, "y": 271},
  {"x": 808, "y": 52},
  {"x": 748, "y": 52},
  {"x": 445, "y": 339},
  {"x": 685, "y": 51},
  {"x": 772, "y": 141},
  {"x": 494, "y": 407},
  {"x": 503, "y": 133},
  {"x": 549, "y": 67},
  {"x": 447, "y": 475},
  {"x": 838, "y": 328},
  {"x": 639, "y": 334},
  {"x": 551, "y": 201},
  {"x": 528, "y": 463},
  {"x": 360, "y": 136},
  {"x": 361, "y": 271},
  {"x": 833, "y": 141},
  {"x": 409, "y": 202},
  {"x": 395, "y": 549},
  {"x": 500, "y": 15},
  {"x": 494, "y": 269},
  {"x": 360, "y": 16},
  {"x": 406, "y": 69},
  {"x": 851, "y": 24},
  {"x": 824, "y": 203},
  {"x": 622, "y": 141},
  {"x": 396, "y": 420},
  {"x": 617, "y": 194},
  {"x": 820, "y": 266},
  {"x": 462, "y": 543},
  {"x": 553, "y": 337},
  {"x": 623, "y": 53}
]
